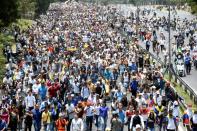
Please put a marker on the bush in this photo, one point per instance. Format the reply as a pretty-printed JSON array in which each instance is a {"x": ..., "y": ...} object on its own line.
[{"x": 4, "y": 40}]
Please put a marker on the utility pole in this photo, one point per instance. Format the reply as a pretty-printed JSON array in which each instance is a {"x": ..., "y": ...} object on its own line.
[
  {"x": 169, "y": 46},
  {"x": 137, "y": 19}
]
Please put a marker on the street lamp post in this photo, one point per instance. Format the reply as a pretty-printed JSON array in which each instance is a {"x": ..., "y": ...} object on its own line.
[{"x": 169, "y": 46}]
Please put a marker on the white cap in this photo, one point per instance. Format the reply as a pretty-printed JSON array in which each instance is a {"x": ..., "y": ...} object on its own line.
[
  {"x": 138, "y": 126},
  {"x": 175, "y": 103}
]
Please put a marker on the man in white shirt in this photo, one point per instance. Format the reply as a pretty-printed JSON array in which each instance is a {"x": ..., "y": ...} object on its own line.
[
  {"x": 85, "y": 92},
  {"x": 171, "y": 123},
  {"x": 70, "y": 110},
  {"x": 35, "y": 87},
  {"x": 89, "y": 112},
  {"x": 76, "y": 124},
  {"x": 30, "y": 101}
]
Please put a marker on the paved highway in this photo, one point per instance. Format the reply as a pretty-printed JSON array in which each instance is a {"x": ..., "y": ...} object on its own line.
[{"x": 191, "y": 79}]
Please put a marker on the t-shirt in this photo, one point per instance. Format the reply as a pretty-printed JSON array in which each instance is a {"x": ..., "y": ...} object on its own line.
[
  {"x": 70, "y": 108},
  {"x": 103, "y": 111},
  {"x": 30, "y": 101},
  {"x": 46, "y": 117}
]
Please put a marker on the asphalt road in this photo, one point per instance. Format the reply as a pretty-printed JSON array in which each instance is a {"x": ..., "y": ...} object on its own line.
[{"x": 189, "y": 79}]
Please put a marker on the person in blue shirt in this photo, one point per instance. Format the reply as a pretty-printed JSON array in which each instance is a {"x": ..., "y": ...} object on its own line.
[
  {"x": 94, "y": 77},
  {"x": 37, "y": 118},
  {"x": 121, "y": 68},
  {"x": 122, "y": 115},
  {"x": 42, "y": 91},
  {"x": 188, "y": 63},
  {"x": 133, "y": 67},
  {"x": 103, "y": 113},
  {"x": 107, "y": 74},
  {"x": 134, "y": 86},
  {"x": 118, "y": 95}
]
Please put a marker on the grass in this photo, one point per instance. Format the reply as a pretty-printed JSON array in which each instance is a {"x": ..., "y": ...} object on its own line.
[
  {"x": 181, "y": 92},
  {"x": 8, "y": 39}
]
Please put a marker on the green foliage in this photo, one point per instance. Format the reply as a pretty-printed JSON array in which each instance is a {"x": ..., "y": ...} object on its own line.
[
  {"x": 26, "y": 8},
  {"x": 8, "y": 39},
  {"x": 23, "y": 24},
  {"x": 4, "y": 40},
  {"x": 8, "y": 11},
  {"x": 193, "y": 4},
  {"x": 42, "y": 5}
]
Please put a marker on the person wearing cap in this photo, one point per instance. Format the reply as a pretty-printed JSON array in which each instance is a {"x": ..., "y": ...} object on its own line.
[
  {"x": 193, "y": 121},
  {"x": 138, "y": 128},
  {"x": 176, "y": 111},
  {"x": 140, "y": 99},
  {"x": 189, "y": 110},
  {"x": 171, "y": 122},
  {"x": 61, "y": 123},
  {"x": 159, "y": 111},
  {"x": 186, "y": 120},
  {"x": 136, "y": 120},
  {"x": 144, "y": 111}
]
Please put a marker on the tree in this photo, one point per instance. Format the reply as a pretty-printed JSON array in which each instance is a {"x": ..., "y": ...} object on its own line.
[
  {"x": 8, "y": 11},
  {"x": 26, "y": 7}
]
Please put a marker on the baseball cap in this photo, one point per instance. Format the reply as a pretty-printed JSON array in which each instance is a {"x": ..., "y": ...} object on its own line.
[{"x": 138, "y": 126}]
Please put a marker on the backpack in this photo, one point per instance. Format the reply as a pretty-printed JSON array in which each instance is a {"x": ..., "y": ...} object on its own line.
[{"x": 136, "y": 120}]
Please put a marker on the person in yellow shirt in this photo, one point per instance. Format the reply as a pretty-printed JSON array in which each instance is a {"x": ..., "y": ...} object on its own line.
[{"x": 46, "y": 119}]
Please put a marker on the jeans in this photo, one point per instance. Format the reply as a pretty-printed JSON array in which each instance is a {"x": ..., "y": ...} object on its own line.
[
  {"x": 105, "y": 122},
  {"x": 37, "y": 125},
  {"x": 47, "y": 127},
  {"x": 52, "y": 126},
  {"x": 89, "y": 121},
  {"x": 28, "y": 127},
  {"x": 96, "y": 118},
  {"x": 151, "y": 129},
  {"x": 194, "y": 128}
]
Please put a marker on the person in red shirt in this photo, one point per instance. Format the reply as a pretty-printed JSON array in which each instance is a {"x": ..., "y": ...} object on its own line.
[
  {"x": 53, "y": 89},
  {"x": 151, "y": 101},
  {"x": 129, "y": 113},
  {"x": 144, "y": 111},
  {"x": 5, "y": 116}
]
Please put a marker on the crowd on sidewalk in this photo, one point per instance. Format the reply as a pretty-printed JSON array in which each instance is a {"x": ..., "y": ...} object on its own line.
[{"x": 74, "y": 62}]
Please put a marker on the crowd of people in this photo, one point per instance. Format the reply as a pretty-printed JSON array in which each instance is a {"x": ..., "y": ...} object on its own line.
[
  {"x": 79, "y": 68},
  {"x": 184, "y": 40}
]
